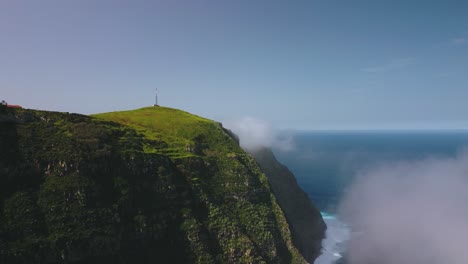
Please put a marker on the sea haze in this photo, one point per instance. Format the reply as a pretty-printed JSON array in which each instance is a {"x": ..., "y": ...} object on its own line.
[{"x": 327, "y": 164}]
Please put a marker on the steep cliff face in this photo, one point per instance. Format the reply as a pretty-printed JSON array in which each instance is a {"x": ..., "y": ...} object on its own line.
[
  {"x": 154, "y": 185},
  {"x": 305, "y": 221}
]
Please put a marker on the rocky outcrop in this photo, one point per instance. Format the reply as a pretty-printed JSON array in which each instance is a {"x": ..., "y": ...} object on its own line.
[{"x": 305, "y": 221}]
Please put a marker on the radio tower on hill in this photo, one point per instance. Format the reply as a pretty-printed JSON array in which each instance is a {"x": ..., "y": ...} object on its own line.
[{"x": 156, "y": 98}]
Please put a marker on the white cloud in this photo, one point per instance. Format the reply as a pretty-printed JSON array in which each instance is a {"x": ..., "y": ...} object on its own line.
[
  {"x": 410, "y": 213},
  {"x": 255, "y": 133},
  {"x": 458, "y": 41},
  {"x": 391, "y": 65}
]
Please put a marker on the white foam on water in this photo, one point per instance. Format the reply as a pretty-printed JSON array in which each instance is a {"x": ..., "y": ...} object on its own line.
[{"x": 334, "y": 244}]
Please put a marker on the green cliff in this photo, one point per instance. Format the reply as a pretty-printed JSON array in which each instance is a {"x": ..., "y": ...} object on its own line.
[
  {"x": 305, "y": 221},
  {"x": 153, "y": 185}
]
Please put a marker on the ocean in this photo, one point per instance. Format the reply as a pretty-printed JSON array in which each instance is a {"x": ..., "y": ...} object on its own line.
[{"x": 326, "y": 163}]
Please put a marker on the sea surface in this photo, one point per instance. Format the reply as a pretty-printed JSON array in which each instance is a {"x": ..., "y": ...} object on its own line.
[{"x": 325, "y": 164}]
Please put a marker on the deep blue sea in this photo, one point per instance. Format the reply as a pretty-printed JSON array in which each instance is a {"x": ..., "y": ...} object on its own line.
[{"x": 325, "y": 163}]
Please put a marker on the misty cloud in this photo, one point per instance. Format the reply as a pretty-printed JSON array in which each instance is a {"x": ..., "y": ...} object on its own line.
[
  {"x": 391, "y": 65},
  {"x": 255, "y": 133},
  {"x": 410, "y": 213},
  {"x": 458, "y": 41}
]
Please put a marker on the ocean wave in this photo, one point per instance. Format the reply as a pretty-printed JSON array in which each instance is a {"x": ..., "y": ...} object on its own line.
[{"x": 334, "y": 244}]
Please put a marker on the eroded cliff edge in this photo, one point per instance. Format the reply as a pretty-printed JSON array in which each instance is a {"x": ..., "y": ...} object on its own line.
[
  {"x": 305, "y": 221},
  {"x": 143, "y": 186}
]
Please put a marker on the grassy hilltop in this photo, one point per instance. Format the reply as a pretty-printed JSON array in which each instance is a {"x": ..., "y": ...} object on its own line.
[
  {"x": 142, "y": 186},
  {"x": 173, "y": 132}
]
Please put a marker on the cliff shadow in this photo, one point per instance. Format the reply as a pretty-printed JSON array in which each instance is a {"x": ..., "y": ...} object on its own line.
[{"x": 9, "y": 155}]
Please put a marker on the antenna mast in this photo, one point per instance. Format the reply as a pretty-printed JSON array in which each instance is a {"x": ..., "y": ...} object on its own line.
[{"x": 156, "y": 98}]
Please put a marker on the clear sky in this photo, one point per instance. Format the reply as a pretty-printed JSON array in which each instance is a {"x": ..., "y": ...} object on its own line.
[{"x": 297, "y": 64}]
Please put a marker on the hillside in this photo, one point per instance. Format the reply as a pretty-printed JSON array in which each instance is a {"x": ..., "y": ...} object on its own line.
[
  {"x": 173, "y": 132},
  {"x": 305, "y": 221},
  {"x": 153, "y": 184}
]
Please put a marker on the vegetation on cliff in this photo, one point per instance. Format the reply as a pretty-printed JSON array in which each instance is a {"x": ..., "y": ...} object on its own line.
[
  {"x": 305, "y": 221},
  {"x": 153, "y": 184}
]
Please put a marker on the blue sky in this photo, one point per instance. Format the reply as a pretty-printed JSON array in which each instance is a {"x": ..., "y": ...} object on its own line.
[{"x": 296, "y": 64}]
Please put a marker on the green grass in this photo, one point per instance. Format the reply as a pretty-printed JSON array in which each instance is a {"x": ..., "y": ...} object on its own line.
[{"x": 172, "y": 132}]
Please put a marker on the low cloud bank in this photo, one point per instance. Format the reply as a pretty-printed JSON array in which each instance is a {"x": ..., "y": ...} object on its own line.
[
  {"x": 255, "y": 133},
  {"x": 410, "y": 213}
]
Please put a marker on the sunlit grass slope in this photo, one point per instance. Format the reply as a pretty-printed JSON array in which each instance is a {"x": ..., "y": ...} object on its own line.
[{"x": 173, "y": 132}]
